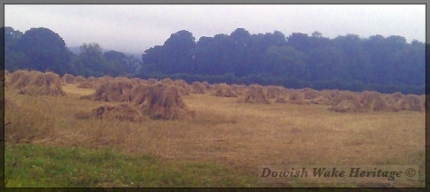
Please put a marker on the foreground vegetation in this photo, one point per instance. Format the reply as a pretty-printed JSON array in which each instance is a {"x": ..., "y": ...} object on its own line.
[
  {"x": 34, "y": 165},
  {"x": 221, "y": 146}
]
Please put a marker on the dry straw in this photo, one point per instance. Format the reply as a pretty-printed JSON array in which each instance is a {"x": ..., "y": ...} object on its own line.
[
  {"x": 321, "y": 100},
  {"x": 412, "y": 103},
  {"x": 116, "y": 90},
  {"x": 347, "y": 101},
  {"x": 374, "y": 101},
  {"x": 298, "y": 97},
  {"x": 182, "y": 86},
  {"x": 206, "y": 84},
  {"x": 21, "y": 78},
  {"x": 104, "y": 79},
  {"x": 137, "y": 81},
  {"x": 281, "y": 100},
  {"x": 68, "y": 78},
  {"x": 80, "y": 79},
  {"x": 122, "y": 112},
  {"x": 168, "y": 81},
  {"x": 87, "y": 85},
  {"x": 161, "y": 101},
  {"x": 43, "y": 84},
  {"x": 239, "y": 89},
  {"x": 309, "y": 93},
  {"x": 330, "y": 95},
  {"x": 9, "y": 104},
  {"x": 91, "y": 79},
  {"x": 151, "y": 81},
  {"x": 138, "y": 91},
  {"x": 223, "y": 90},
  {"x": 275, "y": 92},
  {"x": 198, "y": 88},
  {"x": 394, "y": 100},
  {"x": 255, "y": 94}
]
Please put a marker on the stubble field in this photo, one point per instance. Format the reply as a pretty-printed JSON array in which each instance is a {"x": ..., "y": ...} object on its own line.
[{"x": 222, "y": 146}]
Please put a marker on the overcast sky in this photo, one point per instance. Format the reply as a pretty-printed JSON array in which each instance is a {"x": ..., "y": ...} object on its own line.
[{"x": 135, "y": 28}]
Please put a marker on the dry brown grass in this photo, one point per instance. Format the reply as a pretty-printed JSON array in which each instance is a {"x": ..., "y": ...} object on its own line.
[
  {"x": 8, "y": 104},
  {"x": 321, "y": 101},
  {"x": 87, "y": 85},
  {"x": 73, "y": 91},
  {"x": 224, "y": 131},
  {"x": 281, "y": 100}
]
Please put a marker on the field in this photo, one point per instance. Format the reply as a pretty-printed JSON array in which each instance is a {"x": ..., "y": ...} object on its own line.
[{"x": 222, "y": 146}]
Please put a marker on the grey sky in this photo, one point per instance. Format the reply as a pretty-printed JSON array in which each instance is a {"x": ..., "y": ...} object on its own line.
[{"x": 135, "y": 28}]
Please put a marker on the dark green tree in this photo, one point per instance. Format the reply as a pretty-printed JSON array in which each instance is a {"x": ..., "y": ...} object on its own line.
[
  {"x": 120, "y": 64},
  {"x": 179, "y": 53},
  {"x": 44, "y": 49},
  {"x": 90, "y": 61}
]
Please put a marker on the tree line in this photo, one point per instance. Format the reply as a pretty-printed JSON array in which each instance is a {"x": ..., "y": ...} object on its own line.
[
  {"x": 44, "y": 50},
  {"x": 384, "y": 64}
]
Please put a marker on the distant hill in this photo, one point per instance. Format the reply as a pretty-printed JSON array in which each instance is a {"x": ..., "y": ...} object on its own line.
[{"x": 76, "y": 50}]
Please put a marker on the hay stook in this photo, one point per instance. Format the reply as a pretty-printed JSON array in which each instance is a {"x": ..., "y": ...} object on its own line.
[
  {"x": 121, "y": 112},
  {"x": 44, "y": 84},
  {"x": 161, "y": 101},
  {"x": 223, "y": 90},
  {"x": 255, "y": 94}
]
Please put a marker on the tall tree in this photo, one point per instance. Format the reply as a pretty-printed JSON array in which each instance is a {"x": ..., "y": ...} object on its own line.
[
  {"x": 90, "y": 61},
  {"x": 14, "y": 58},
  {"x": 241, "y": 57},
  {"x": 178, "y": 49},
  {"x": 119, "y": 63},
  {"x": 45, "y": 50}
]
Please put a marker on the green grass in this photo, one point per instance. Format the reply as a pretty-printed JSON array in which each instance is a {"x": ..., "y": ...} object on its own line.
[{"x": 51, "y": 166}]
